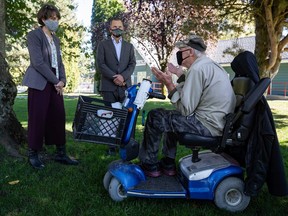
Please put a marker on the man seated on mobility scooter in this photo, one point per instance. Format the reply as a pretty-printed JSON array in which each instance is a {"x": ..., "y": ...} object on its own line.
[
  {"x": 202, "y": 98},
  {"x": 204, "y": 117}
]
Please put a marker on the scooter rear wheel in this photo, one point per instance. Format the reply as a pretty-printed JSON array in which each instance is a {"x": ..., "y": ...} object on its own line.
[
  {"x": 229, "y": 195},
  {"x": 116, "y": 190}
]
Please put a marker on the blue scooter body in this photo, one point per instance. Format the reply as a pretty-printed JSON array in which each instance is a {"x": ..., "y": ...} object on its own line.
[{"x": 198, "y": 184}]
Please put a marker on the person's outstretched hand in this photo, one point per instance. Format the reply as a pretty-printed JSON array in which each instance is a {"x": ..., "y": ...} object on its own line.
[
  {"x": 164, "y": 77},
  {"x": 175, "y": 70}
]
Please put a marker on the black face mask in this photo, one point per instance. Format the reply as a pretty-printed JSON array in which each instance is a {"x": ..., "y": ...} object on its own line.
[
  {"x": 180, "y": 58},
  {"x": 117, "y": 32}
]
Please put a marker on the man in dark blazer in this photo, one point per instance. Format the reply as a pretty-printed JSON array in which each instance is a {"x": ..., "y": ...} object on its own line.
[{"x": 116, "y": 63}]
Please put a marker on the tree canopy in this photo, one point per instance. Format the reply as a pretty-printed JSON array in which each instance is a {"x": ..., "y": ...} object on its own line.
[
  {"x": 162, "y": 22},
  {"x": 158, "y": 24},
  {"x": 270, "y": 18}
]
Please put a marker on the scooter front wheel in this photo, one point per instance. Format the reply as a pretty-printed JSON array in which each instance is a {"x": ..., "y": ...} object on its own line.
[
  {"x": 116, "y": 190},
  {"x": 229, "y": 195},
  {"x": 107, "y": 179}
]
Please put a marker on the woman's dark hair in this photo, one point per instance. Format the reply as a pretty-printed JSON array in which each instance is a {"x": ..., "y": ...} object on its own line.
[{"x": 46, "y": 12}]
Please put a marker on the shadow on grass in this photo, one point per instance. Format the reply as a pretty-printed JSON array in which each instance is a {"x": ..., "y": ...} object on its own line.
[{"x": 280, "y": 120}]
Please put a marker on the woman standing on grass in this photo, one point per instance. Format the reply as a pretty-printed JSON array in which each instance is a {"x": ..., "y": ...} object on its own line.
[{"x": 45, "y": 78}]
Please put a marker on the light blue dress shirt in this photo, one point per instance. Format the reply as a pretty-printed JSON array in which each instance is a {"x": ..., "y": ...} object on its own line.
[{"x": 117, "y": 47}]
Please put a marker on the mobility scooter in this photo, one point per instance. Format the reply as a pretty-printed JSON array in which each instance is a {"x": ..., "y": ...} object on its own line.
[{"x": 208, "y": 174}]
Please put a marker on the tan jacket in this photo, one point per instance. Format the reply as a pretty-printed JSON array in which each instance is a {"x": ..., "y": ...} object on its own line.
[{"x": 207, "y": 93}]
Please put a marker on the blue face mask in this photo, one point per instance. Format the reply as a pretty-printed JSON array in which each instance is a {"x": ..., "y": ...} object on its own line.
[{"x": 52, "y": 25}]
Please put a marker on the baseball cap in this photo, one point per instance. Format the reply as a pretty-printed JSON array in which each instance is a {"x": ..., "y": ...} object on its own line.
[{"x": 193, "y": 41}]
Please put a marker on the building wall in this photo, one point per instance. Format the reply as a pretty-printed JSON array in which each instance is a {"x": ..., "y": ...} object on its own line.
[
  {"x": 142, "y": 69},
  {"x": 280, "y": 82}
]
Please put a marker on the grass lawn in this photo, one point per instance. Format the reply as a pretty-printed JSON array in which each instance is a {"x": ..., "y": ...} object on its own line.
[{"x": 61, "y": 190}]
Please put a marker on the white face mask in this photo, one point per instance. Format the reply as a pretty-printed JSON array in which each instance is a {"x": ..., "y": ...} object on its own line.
[{"x": 52, "y": 25}]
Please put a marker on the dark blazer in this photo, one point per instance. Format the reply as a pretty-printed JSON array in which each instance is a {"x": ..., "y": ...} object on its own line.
[
  {"x": 39, "y": 71},
  {"x": 109, "y": 65}
]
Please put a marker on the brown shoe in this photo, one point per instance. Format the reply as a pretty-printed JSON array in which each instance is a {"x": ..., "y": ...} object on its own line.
[
  {"x": 151, "y": 170},
  {"x": 168, "y": 166}
]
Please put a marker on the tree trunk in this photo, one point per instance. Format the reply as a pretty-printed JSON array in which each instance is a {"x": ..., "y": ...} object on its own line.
[
  {"x": 2, "y": 27},
  {"x": 261, "y": 51},
  {"x": 12, "y": 133},
  {"x": 269, "y": 22}
]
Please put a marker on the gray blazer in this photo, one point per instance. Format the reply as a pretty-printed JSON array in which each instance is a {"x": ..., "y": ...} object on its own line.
[
  {"x": 39, "y": 71},
  {"x": 109, "y": 65}
]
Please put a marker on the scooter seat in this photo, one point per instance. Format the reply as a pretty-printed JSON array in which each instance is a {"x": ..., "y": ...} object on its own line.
[{"x": 193, "y": 140}]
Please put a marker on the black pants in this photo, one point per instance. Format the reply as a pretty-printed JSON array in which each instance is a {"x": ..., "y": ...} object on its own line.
[{"x": 168, "y": 123}]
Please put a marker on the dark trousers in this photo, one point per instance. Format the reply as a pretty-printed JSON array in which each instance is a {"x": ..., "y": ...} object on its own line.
[
  {"x": 168, "y": 123},
  {"x": 114, "y": 96},
  {"x": 117, "y": 96},
  {"x": 46, "y": 118}
]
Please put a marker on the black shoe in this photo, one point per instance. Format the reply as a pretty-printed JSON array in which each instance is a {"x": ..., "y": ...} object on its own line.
[
  {"x": 64, "y": 159},
  {"x": 168, "y": 166},
  {"x": 151, "y": 170},
  {"x": 34, "y": 160},
  {"x": 111, "y": 151},
  {"x": 61, "y": 157}
]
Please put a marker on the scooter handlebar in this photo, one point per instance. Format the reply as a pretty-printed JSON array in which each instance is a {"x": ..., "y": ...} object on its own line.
[{"x": 156, "y": 95}]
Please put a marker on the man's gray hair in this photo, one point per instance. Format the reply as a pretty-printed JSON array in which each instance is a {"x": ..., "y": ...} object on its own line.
[{"x": 198, "y": 53}]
